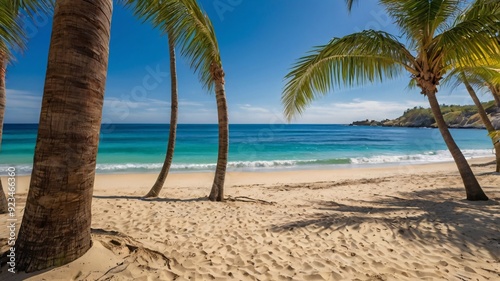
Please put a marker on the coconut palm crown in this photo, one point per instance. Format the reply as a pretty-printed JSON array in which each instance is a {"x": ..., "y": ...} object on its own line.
[{"x": 440, "y": 35}]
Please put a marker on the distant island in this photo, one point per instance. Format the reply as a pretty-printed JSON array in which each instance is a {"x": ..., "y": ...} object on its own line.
[{"x": 456, "y": 116}]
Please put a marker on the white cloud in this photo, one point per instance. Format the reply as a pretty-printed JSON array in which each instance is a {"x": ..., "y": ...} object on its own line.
[
  {"x": 252, "y": 109},
  {"x": 156, "y": 111},
  {"x": 22, "y": 106},
  {"x": 190, "y": 103},
  {"x": 23, "y": 99},
  {"x": 331, "y": 113},
  {"x": 357, "y": 109}
]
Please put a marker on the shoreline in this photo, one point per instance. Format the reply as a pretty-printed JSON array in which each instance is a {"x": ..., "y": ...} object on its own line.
[
  {"x": 278, "y": 165},
  {"x": 144, "y": 181}
]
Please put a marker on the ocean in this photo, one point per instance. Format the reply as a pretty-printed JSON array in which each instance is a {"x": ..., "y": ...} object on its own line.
[{"x": 141, "y": 148}]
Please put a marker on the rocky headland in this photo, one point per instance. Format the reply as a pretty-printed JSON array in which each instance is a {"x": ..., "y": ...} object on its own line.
[{"x": 456, "y": 116}]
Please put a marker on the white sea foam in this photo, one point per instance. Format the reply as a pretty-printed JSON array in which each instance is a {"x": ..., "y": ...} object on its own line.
[
  {"x": 208, "y": 166},
  {"x": 428, "y": 157},
  {"x": 20, "y": 170}
]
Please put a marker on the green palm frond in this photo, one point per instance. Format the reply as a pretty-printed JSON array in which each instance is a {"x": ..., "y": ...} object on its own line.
[
  {"x": 420, "y": 20},
  {"x": 32, "y": 7},
  {"x": 11, "y": 32},
  {"x": 190, "y": 27},
  {"x": 355, "y": 59},
  {"x": 478, "y": 9},
  {"x": 12, "y": 35},
  {"x": 478, "y": 77},
  {"x": 469, "y": 42},
  {"x": 196, "y": 37}
]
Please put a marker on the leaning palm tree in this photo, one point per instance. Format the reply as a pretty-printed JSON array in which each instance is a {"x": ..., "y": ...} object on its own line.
[
  {"x": 480, "y": 77},
  {"x": 486, "y": 121},
  {"x": 55, "y": 228},
  {"x": 495, "y": 92},
  {"x": 156, "y": 189},
  {"x": 13, "y": 38},
  {"x": 194, "y": 32},
  {"x": 493, "y": 84},
  {"x": 438, "y": 39}
]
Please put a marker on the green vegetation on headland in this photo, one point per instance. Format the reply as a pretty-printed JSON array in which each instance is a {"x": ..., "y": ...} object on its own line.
[{"x": 456, "y": 116}]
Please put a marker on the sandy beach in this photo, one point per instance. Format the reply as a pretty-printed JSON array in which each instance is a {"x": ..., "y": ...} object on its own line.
[{"x": 377, "y": 223}]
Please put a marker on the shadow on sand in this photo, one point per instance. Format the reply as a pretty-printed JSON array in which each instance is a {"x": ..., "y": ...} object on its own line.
[
  {"x": 420, "y": 215},
  {"x": 156, "y": 199}
]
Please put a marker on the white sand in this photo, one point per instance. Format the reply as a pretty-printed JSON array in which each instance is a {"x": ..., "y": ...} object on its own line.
[{"x": 385, "y": 223}]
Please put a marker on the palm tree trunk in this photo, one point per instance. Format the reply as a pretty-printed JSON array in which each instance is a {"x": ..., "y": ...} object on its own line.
[
  {"x": 472, "y": 188},
  {"x": 217, "y": 192},
  {"x": 3, "y": 63},
  {"x": 3, "y": 200},
  {"x": 495, "y": 91},
  {"x": 3, "y": 93},
  {"x": 56, "y": 225},
  {"x": 155, "y": 190},
  {"x": 496, "y": 144},
  {"x": 484, "y": 118}
]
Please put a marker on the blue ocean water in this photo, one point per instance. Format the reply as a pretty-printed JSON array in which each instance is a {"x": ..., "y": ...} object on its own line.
[{"x": 139, "y": 148}]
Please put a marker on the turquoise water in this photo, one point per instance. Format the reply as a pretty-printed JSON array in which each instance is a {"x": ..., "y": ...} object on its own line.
[{"x": 139, "y": 148}]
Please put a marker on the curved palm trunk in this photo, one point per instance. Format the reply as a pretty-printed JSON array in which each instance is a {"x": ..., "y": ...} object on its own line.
[
  {"x": 472, "y": 188},
  {"x": 484, "y": 118},
  {"x": 3, "y": 63},
  {"x": 217, "y": 192},
  {"x": 56, "y": 225},
  {"x": 156, "y": 189},
  {"x": 495, "y": 91}
]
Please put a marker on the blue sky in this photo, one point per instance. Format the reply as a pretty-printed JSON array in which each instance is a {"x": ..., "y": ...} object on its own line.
[{"x": 259, "y": 41}]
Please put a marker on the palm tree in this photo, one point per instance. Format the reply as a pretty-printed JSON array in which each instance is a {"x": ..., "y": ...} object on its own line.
[
  {"x": 493, "y": 84},
  {"x": 55, "y": 228},
  {"x": 155, "y": 190},
  {"x": 495, "y": 92},
  {"x": 437, "y": 39},
  {"x": 194, "y": 32},
  {"x": 3, "y": 62},
  {"x": 12, "y": 38},
  {"x": 484, "y": 118},
  {"x": 480, "y": 76},
  {"x": 3, "y": 199}
]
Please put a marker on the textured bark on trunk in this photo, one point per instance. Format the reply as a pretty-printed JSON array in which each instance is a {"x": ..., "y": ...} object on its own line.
[
  {"x": 480, "y": 109},
  {"x": 484, "y": 117},
  {"x": 56, "y": 225},
  {"x": 3, "y": 63},
  {"x": 217, "y": 192},
  {"x": 497, "y": 155},
  {"x": 472, "y": 188},
  {"x": 495, "y": 91},
  {"x": 3, "y": 200},
  {"x": 156, "y": 189},
  {"x": 3, "y": 93}
]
